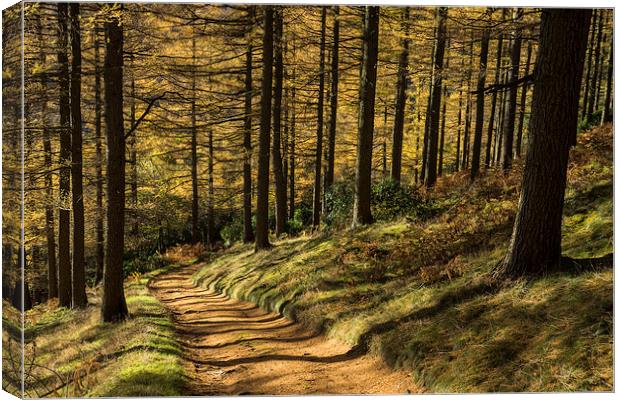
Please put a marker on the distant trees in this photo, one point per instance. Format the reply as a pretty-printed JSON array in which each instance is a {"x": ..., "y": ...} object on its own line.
[
  {"x": 535, "y": 247},
  {"x": 248, "y": 231},
  {"x": 333, "y": 103},
  {"x": 114, "y": 306},
  {"x": 401, "y": 99},
  {"x": 316, "y": 199},
  {"x": 368, "y": 79}
]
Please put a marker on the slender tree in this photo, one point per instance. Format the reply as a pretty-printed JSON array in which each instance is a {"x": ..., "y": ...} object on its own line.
[
  {"x": 493, "y": 112},
  {"x": 511, "y": 98},
  {"x": 524, "y": 90},
  {"x": 366, "y": 123},
  {"x": 595, "y": 74},
  {"x": 291, "y": 199},
  {"x": 264, "y": 139},
  {"x": 316, "y": 202},
  {"x": 114, "y": 306},
  {"x": 78, "y": 278},
  {"x": 276, "y": 146},
  {"x": 99, "y": 231},
  {"x": 588, "y": 72},
  {"x": 333, "y": 103},
  {"x": 535, "y": 247},
  {"x": 248, "y": 231},
  {"x": 401, "y": 100},
  {"x": 431, "y": 177},
  {"x": 194, "y": 146},
  {"x": 482, "y": 75},
  {"x": 64, "y": 203},
  {"x": 607, "y": 112}
]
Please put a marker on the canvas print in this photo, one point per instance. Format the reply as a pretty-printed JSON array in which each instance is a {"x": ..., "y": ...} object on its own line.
[{"x": 249, "y": 199}]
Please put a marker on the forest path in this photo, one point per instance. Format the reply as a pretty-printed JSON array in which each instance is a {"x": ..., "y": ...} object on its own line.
[{"x": 233, "y": 347}]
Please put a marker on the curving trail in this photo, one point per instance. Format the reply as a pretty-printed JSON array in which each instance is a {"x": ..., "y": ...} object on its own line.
[{"x": 233, "y": 347}]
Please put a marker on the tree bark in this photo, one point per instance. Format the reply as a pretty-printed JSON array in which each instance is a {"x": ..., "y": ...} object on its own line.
[
  {"x": 316, "y": 201},
  {"x": 64, "y": 203},
  {"x": 535, "y": 246},
  {"x": 78, "y": 276},
  {"x": 467, "y": 128},
  {"x": 262, "y": 196},
  {"x": 291, "y": 207},
  {"x": 114, "y": 306},
  {"x": 248, "y": 231},
  {"x": 511, "y": 103},
  {"x": 588, "y": 73},
  {"x": 431, "y": 175},
  {"x": 401, "y": 100},
  {"x": 366, "y": 124},
  {"x": 333, "y": 103},
  {"x": 210, "y": 194},
  {"x": 276, "y": 146},
  {"x": 482, "y": 75},
  {"x": 595, "y": 73}
]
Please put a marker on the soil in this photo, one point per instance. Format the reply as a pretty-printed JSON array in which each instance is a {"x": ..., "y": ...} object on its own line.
[{"x": 233, "y": 347}]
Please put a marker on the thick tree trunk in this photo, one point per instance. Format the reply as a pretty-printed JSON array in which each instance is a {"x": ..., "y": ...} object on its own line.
[
  {"x": 482, "y": 75},
  {"x": 316, "y": 201},
  {"x": 52, "y": 277},
  {"x": 431, "y": 175},
  {"x": 99, "y": 231},
  {"x": 78, "y": 278},
  {"x": 366, "y": 123},
  {"x": 401, "y": 100},
  {"x": 607, "y": 111},
  {"x": 333, "y": 103},
  {"x": 264, "y": 139},
  {"x": 276, "y": 146},
  {"x": 248, "y": 231},
  {"x": 535, "y": 246},
  {"x": 114, "y": 306},
  {"x": 64, "y": 203},
  {"x": 522, "y": 106},
  {"x": 194, "y": 149},
  {"x": 511, "y": 103}
]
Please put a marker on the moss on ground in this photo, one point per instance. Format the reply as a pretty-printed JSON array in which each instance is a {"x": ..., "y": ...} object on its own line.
[
  {"x": 72, "y": 353},
  {"x": 419, "y": 293}
]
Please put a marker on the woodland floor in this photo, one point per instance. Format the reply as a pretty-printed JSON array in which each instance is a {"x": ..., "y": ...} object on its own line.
[{"x": 234, "y": 347}]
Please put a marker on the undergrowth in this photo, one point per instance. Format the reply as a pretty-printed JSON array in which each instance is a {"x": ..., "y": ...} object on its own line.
[{"x": 418, "y": 293}]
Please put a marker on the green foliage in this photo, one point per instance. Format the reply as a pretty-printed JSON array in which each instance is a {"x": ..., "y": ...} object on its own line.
[
  {"x": 588, "y": 123},
  {"x": 143, "y": 263},
  {"x": 233, "y": 232},
  {"x": 390, "y": 200}
]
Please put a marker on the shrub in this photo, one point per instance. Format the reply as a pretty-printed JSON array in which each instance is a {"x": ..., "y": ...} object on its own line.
[
  {"x": 390, "y": 200},
  {"x": 232, "y": 232}
]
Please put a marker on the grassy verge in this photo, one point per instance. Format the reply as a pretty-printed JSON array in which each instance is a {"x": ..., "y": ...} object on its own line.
[
  {"x": 72, "y": 353},
  {"x": 418, "y": 293}
]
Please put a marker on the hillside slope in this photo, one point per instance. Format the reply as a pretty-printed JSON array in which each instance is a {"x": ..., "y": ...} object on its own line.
[{"x": 418, "y": 292}]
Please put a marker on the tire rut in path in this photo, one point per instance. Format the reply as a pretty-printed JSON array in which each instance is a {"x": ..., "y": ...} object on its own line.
[{"x": 234, "y": 347}]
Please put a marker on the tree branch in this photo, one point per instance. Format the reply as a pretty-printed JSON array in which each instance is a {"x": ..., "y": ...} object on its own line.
[
  {"x": 144, "y": 114},
  {"x": 526, "y": 80}
]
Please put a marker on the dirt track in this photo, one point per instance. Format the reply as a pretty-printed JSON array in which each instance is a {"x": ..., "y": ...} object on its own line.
[{"x": 233, "y": 347}]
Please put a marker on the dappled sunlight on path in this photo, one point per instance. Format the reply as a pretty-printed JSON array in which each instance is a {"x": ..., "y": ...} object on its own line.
[{"x": 233, "y": 347}]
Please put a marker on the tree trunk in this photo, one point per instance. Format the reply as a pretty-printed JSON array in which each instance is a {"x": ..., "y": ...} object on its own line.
[
  {"x": 52, "y": 278},
  {"x": 511, "y": 103},
  {"x": 401, "y": 100},
  {"x": 443, "y": 119},
  {"x": 431, "y": 175},
  {"x": 262, "y": 196},
  {"x": 588, "y": 80},
  {"x": 493, "y": 113},
  {"x": 607, "y": 112},
  {"x": 78, "y": 278},
  {"x": 333, "y": 103},
  {"x": 291, "y": 207},
  {"x": 99, "y": 231},
  {"x": 457, "y": 160},
  {"x": 522, "y": 107},
  {"x": 467, "y": 128},
  {"x": 595, "y": 73},
  {"x": 248, "y": 231},
  {"x": 316, "y": 202},
  {"x": 535, "y": 246},
  {"x": 64, "y": 203},
  {"x": 276, "y": 146},
  {"x": 133, "y": 159},
  {"x": 114, "y": 307},
  {"x": 366, "y": 123},
  {"x": 194, "y": 148},
  {"x": 482, "y": 75},
  {"x": 210, "y": 194}
]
